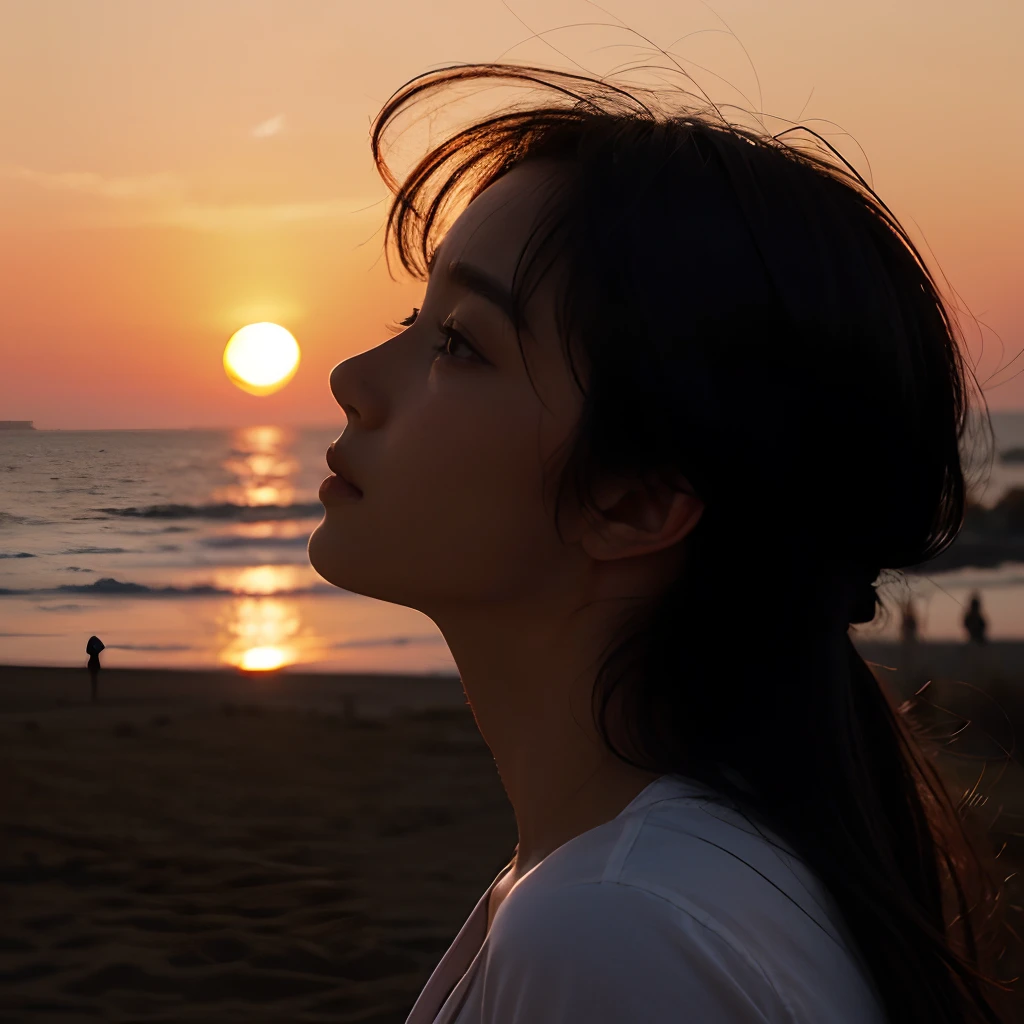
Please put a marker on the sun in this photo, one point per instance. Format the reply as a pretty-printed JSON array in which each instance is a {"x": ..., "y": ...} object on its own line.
[{"x": 261, "y": 358}]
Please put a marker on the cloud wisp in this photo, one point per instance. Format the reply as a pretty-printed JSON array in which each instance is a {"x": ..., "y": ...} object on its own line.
[
  {"x": 272, "y": 126},
  {"x": 146, "y": 186},
  {"x": 161, "y": 199}
]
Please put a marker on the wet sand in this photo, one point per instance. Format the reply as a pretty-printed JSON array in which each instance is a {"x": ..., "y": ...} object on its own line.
[{"x": 217, "y": 847}]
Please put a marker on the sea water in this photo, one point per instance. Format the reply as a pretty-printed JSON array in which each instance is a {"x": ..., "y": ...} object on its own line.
[
  {"x": 183, "y": 548},
  {"x": 187, "y": 548}
]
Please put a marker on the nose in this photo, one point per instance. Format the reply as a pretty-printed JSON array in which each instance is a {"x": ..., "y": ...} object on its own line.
[
  {"x": 343, "y": 387},
  {"x": 355, "y": 384},
  {"x": 335, "y": 381}
]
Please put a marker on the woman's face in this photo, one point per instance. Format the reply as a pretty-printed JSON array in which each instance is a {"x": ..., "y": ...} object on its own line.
[{"x": 449, "y": 450}]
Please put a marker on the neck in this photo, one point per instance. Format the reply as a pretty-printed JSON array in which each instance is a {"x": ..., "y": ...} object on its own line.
[{"x": 534, "y": 712}]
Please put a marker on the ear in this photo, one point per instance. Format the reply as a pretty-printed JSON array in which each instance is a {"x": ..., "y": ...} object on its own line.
[{"x": 640, "y": 517}]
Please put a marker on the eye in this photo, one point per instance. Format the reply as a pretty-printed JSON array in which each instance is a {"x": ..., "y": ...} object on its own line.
[{"x": 452, "y": 337}]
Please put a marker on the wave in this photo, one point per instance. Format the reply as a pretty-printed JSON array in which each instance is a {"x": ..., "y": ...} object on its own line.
[
  {"x": 10, "y": 519},
  {"x": 16, "y": 554},
  {"x": 153, "y": 533},
  {"x": 98, "y": 551},
  {"x": 108, "y": 586},
  {"x": 224, "y": 510},
  {"x": 390, "y": 641},
  {"x": 105, "y": 585},
  {"x": 149, "y": 647},
  {"x": 255, "y": 542},
  {"x": 118, "y": 551}
]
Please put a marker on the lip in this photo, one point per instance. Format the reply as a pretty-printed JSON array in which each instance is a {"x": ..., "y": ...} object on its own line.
[
  {"x": 339, "y": 469},
  {"x": 336, "y": 489}
]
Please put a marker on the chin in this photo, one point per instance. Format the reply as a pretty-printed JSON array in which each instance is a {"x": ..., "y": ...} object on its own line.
[
  {"x": 334, "y": 559},
  {"x": 351, "y": 570},
  {"x": 319, "y": 552}
]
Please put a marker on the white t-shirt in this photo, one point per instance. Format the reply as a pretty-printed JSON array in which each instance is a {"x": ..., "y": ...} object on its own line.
[{"x": 676, "y": 910}]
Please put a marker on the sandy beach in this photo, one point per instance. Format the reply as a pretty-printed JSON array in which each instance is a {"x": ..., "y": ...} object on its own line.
[
  {"x": 212, "y": 846},
  {"x": 215, "y": 847}
]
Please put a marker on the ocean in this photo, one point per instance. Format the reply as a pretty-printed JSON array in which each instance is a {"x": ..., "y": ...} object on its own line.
[{"x": 187, "y": 548}]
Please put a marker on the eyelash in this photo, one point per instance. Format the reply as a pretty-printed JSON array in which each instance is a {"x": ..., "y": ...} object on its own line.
[{"x": 450, "y": 333}]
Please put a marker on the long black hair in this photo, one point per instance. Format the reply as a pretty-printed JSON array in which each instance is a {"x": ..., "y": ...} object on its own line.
[{"x": 751, "y": 319}]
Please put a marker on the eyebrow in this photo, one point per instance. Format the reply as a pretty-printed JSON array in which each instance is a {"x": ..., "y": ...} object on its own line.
[{"x": 478, "y": 281}]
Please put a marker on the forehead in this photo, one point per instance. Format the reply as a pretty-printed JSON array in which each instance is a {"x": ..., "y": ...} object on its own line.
[
  {"x": 494, "y": 229},
  {"x": 492, "y": 233}
]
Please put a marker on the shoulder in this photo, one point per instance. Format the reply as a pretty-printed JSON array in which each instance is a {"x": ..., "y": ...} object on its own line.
[
  {"x": 690, "y": 903},
  {"x": 598, "y": 917},
  {"x": 599, "y": 949}
]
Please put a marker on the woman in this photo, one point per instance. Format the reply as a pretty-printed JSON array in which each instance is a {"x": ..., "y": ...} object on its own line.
[{"x": 735, "y": 377}]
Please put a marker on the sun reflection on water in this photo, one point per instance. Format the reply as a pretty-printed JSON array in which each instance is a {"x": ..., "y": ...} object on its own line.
[
  {"x": 262, "y": 633},
  {"x": 261, "y": 628},
  {"x": 262, "y": 467},
  {"x": 262, "y": 580},
  {"x": 263, "y": 659},
  {"x": 271, "y": 529}
]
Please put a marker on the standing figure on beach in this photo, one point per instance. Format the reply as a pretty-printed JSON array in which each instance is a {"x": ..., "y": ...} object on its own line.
[
  {"x": 908, "y": 653},
  {"x": 93, "y": 648},
  {"x": 974, "y": 621},
  {"x": 908, "y": 623},
  {"x": 663, "y": 360}
]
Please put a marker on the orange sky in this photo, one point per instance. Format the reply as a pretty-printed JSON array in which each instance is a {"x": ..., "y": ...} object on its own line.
[{"x": 173, "y": 169}]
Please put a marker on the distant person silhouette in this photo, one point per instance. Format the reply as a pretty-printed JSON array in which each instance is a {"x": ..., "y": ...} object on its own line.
[
  {"x": 974, "y": 621},
  {"x": 908, "y": 626},
  {"x": 908, "y": 652},
  {"x": 93, "y": 648}
]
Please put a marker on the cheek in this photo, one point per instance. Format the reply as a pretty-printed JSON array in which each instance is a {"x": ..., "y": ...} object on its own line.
[{"x": 457, "y": 516}]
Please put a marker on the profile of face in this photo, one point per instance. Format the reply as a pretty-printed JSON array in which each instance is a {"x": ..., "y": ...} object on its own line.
[{"x": 450, "y": 442}]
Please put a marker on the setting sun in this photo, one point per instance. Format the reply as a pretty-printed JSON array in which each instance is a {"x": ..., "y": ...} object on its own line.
[{"x": 261, "y": 358}]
